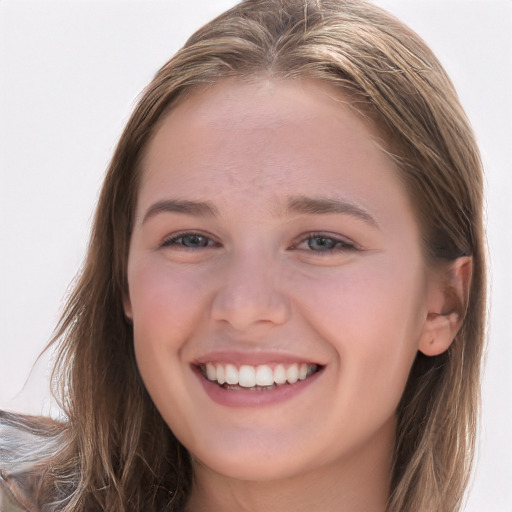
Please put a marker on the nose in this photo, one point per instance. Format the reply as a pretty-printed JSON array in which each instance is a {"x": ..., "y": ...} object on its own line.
[{"x": 249, "y": 294}]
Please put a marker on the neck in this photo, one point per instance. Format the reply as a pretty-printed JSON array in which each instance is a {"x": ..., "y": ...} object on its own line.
[{"x": 359, "y": 483}]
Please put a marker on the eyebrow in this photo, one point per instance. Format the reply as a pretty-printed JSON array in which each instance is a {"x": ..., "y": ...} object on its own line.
[
  {"x": 203, "y": 208},
  {"x": 326, "y": 205},
  {"x": 299, "y": 204}
]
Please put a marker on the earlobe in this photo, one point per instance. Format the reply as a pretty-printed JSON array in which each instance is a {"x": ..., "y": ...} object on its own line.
[
  {"x": 447, "y": 302},
  {"x": 440, "y": 333}
]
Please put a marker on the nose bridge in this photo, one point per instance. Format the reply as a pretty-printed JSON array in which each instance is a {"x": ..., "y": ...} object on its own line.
[{"x": 250, "y": 290}]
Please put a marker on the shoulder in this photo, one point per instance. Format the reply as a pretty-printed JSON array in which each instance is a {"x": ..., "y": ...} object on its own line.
[{"x": 27, "y": 444}]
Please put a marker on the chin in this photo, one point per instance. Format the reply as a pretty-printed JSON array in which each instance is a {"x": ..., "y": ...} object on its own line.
[
  {"x": 258, "y": 460},
  {"x": 250, "y": 468}
]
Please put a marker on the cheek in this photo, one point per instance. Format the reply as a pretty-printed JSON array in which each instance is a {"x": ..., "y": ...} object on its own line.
[
  {"x": 372, "y": 315},
  {"x": 166, "y": 311},
  {"x": 165, "y": 304}
]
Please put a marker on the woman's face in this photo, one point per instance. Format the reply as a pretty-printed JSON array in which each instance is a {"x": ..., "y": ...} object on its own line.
[{"x": 273, "y": 241}]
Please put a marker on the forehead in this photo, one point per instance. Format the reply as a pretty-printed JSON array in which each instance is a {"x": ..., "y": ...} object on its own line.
[
  {"x": 263, "y": 140},
  {"x": 257, "y": 110}
]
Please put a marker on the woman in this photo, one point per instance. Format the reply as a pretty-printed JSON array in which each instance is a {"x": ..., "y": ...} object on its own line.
[{"x": 283, "y": 301}]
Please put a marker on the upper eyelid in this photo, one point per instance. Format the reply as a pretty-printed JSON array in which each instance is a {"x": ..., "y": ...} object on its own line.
[
  {"x": 319, "y": 234},
  {"x": 180, "y": 234}
]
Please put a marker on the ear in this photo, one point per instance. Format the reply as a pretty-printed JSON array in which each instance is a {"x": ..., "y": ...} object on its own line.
[{"x": 447, "y": 298}]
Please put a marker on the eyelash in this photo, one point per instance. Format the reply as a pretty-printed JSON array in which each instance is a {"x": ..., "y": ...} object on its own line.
[
  {"x": 176, "y": 241},
  {"x": 338, "y": 244}
]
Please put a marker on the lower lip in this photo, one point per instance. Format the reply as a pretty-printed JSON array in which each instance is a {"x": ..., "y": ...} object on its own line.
[{"x": 243, "y": 398}]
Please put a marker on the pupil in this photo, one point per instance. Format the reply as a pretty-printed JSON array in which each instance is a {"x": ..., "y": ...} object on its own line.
[
  {"x": 321, "y": 244},
  {"x": 194, "y": 241}
]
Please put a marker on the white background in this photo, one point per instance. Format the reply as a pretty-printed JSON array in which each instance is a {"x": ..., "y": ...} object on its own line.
[{"x": 70, "y": 72}]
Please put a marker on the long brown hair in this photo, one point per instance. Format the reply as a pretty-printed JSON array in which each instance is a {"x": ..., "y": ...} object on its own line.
[{"x": 117, "y": 454}]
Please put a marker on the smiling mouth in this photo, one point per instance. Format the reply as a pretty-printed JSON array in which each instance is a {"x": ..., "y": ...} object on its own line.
[{"x": 263, "y": 377}]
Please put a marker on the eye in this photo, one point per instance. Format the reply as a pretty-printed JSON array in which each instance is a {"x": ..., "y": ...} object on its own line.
[
  {"x": 321, "y": 243},
  {"x": 324, "y": 243},
  {"x": 189, "y": 241}
]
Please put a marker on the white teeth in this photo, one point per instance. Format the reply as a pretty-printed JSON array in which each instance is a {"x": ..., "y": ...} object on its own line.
[
  {"x": 221, "y": 378},
  {"x": 248, "y": 376},
  {"x": 211, "y": 371},
  {"x": 231, "y": 374},
  {"x": 292, "y": 373},
  {"x": 264, "y": 375},
  {"x": 280, "y": 374}
]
